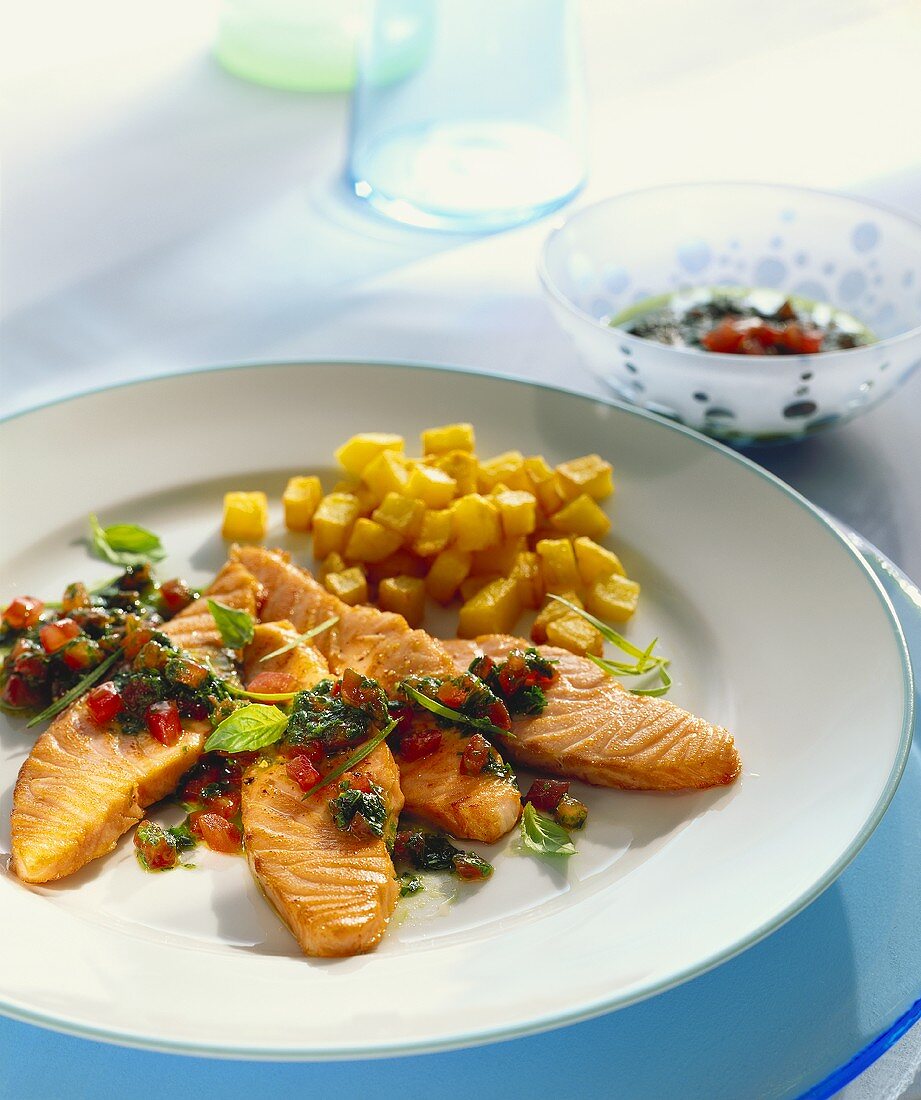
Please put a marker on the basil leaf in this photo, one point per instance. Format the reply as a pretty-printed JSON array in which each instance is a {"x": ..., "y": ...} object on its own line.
[
  {"x": 250, "y": 727},
  {"x": 236, "y": 626},
  {"x": 125, "y": 543},
  {"x": 543, "y": 835}
]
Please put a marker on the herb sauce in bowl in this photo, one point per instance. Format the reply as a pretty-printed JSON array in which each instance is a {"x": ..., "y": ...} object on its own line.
[{"x": 742, "y": 321}]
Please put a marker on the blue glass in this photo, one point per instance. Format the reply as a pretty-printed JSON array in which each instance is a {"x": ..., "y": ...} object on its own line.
[{"x": 468, "y": 115}]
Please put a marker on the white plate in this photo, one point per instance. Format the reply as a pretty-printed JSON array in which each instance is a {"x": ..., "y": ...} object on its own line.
[{"x": 776, "y": 629}]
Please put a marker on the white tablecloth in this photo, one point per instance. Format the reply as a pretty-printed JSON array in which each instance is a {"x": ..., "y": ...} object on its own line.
[{"x": 161, "y": 215}]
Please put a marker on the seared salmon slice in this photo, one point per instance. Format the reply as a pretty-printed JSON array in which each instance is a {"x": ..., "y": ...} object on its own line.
[
  {"x": 381, "y": 645},
  {"x": 84, "y": 785},
  {"x": 596, "y": 730},
  {"x": 335, "y": 891}
]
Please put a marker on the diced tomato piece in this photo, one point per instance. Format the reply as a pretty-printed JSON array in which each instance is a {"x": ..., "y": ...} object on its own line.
[
  {"x": 163, "y": 722},
  {"x": 304, "y": 774},
  {"x": 497, "y": 713},
  {"x": 361, "y": 783},
  {"x": 175, "y": 595},
  {"x": 226, "y": 804},
  {"x": 272, "y": 683},
  {"x": 475, "y": 756},
  {"x": 30, "y": 664},
  {"x": 76, "y": 598},
  {"x": 471, "y": 869},
  {"x": 452, "y": 695},
  {"x": 152, "y": 843},
  {"x": 725, "y": 338},
  {"x": 359, "y": 692},
  {"x": 18, "y": 693},
  {"x": 55, "y": 635},
  {"x": 104, "y": 702},
  {"x": 217, "y": 832},
  {"x": 312, "y": 751},
  {"x": 545, "y": 794},
  {"x": 81, "y": 654},
  {"x": 419, "y": 743},
  {"x": 194, "y": 709},
  {"x": 23, "y": 612},
  {"x": 482, "y": 666},
  {"x": 801, "y": 341},
  {"x": 403, "y": 714}
]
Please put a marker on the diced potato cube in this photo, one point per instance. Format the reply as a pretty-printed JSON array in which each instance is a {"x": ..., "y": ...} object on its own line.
[
  {"x": 246, "y": 516},
  {"x": 449, "y": 568},
  {"x": 570, "y": 812},
  {"x": 590, "y": 474},
  {"x": 507, "y": 468},
  {"x": 462, "y": 466},
  {"x": 595, "y": 561},
  {"x": 493, "y": 610},
  {"x": 472, "y": 585},
  {"x": 613, "y": 598},
  {"x": 549, "y": 495},
  {"x": 582, "y": 516},
  {"x": 451, "y": 437},
  {"x": 527, "y": 572},
  {"x": 498, "y": 559},
  {"x": 333, "y": 521},
  {"x": 518, "y": 511},
  {"x": 538, "y": 469},
  {"x": 400, "y": 514},
  {"x": 558, "y": 564},
  {"x": 300, "y": 498},
  {"x": 475, "y": 522},
  {"x": 434, "y": 534},
  {"x": 388, "y": 473},
  {"x": 355, "y": 454},
  {"x": 549, "y": 613},
  {"x": 367, "y": 500},
  {"x": 369, "y": 541},
  {"x": 333, "y": 563},
  {"x": 351, "y": 585},
  {"x": 400, "y": 563},
  {"x": 403, "y": 595},
  {"x": 430, "y": 485},
  {"x": 575, "y": 634}
]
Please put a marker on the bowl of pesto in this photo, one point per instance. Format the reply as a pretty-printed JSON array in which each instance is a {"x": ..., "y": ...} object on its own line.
[{"x": 755, "y": 313}]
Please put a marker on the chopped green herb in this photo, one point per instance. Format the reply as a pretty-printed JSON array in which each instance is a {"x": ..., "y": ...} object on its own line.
[
  {"x": 362, "y": 812},
  {"x": 250, "y": 727},
  {"x": 182, "y": 837},
  {"x": 428, "y": 851},
  {"x": 543, "y": 835},
  {"x": 125, "y": 543},
  {"x": 301, "y": 638},
  {"x": 76, "y": 691},
  {"x": 356, "y": 758},
  {"x": 644, "y": 661},
  {"x": 410, "y": 884},
  {"x": 456, "y": 717},
  {"x": 236, "y": 626}
]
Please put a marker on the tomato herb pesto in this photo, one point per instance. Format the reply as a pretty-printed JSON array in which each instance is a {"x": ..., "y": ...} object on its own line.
[{"x": 737, "y": 321}]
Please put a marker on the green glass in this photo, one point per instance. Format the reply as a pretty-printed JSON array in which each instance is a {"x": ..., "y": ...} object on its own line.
[{"x": 299, "y": 45}]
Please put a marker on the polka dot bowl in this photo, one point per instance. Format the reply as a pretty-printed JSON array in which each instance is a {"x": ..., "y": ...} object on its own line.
[{"x": 861, "y": 258}]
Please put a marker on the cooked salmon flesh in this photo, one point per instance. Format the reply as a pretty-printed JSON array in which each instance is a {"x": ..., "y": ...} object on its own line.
[
  {"x": 335, "y": 891},
  {"x": 594, "y": 729},
  {"x": 83, "y": 785}
]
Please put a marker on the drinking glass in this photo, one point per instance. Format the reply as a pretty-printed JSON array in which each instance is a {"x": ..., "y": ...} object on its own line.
[{"x": 468, "y": 115}]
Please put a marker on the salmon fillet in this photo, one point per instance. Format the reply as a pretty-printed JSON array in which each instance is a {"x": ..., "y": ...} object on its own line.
[
  {"x": 83, "y": 785},
  {"x": 381, "y": 645},
  {"x": 335, "y": 892},
  {"x": 596, "y": 730}
]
